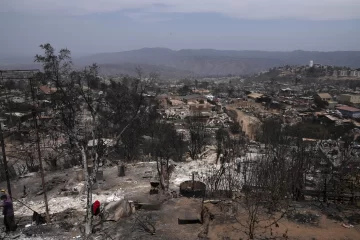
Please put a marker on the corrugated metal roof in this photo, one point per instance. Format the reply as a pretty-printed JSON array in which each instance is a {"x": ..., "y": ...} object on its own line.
[
  {"x": 348, "y": 108},
  {"x": 332, "y": 118}
]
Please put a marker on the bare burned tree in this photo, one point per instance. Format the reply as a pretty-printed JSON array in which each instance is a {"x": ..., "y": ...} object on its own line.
[
  {"x": 267, "y": 192},
  {"x": 198, "y": 138},
  {"x": 131, "y": 141},
  {"x": 57, "y": 68},
  {"x": 224, "y": 181},
  {"x": 82, "y": 113},
  {"x": 345, "y": 170},
  {"x": 265, "y": 200},
  {"x": 167, "y": 145},
  {"x": 221, "y": 135},
  {"x": 264, "y": 182},
  {"x": 303, "y": 156}
]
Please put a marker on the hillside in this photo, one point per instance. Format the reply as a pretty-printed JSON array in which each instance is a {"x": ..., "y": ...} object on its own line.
[
  {"x": 218, "y": 62},
  {"x": 119, "y": 69},
  {"x": 202, "y": 62},
  {"x": 188, "y": 62},
  {"x": 129, "y": 69}
]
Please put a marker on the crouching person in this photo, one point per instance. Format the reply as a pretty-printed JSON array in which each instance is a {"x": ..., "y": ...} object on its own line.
[
  {"x": 98, "y": 211},
  {"x": 8, "y": 212},
  {"x": 95, "y": 208}
]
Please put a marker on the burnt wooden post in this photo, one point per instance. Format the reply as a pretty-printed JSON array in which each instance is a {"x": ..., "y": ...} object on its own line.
[
  {"x": 121, "y": 170},
  {"x": 193, "y": 181},
  {"x": 80, "y": 175},
  {"x": 100, "y": 175},
  {"x": 90, "y": 169}
]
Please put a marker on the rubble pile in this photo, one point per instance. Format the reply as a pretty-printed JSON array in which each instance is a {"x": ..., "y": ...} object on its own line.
[{"x": 304, "y": 217}]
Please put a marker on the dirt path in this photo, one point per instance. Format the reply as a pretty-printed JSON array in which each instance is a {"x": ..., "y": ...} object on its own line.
[{"x": 326, "y": 229}]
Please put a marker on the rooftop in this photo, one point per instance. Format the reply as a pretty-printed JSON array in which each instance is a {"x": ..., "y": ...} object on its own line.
[
  {"x": 310, "y": 140},
  {"x": 350, "y": 95},
  {"x": 332, "y": 118},
  {"x": 348, "y": 108},
  {"x": 47, "y": 90},
  {"x": 107, "y": 142},
  {"x": 324, "y": 95},
  {"x": 255, "y": 95},
  {"x": 193, "y": 96},
  {"x": 17, "y": 114},
  {"x": 162, "y": 96},
  {"x": 200, "y": 107}
]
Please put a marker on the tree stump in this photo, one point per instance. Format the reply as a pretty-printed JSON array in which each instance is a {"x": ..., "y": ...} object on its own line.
[
  {"x": 80, "y": 175},
  {"x": 90, "y": 170},
  {"x": 100, "y": 175},
  {"x": 121, "y": 170}
]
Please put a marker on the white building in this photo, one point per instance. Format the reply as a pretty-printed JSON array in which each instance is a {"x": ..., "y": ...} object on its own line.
[
  {"x": 354, "y": 73},
  {"x": 210, "y": 97},
  {"x": 311, "y": 64},
  {"x": 343, "y": 73}
]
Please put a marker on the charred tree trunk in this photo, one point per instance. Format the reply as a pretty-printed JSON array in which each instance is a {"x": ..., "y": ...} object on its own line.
[{"x": 88, "y": 216}]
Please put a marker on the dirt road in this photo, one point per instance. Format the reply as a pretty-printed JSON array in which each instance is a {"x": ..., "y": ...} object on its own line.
[{"x": 325, "y": 229}]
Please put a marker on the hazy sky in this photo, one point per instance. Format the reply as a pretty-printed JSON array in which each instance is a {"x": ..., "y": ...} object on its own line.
[{"x": 92, "y": 26}]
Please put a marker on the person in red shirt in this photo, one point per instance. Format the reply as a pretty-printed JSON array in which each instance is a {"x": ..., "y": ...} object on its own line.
[
  {"x": 95, "y": 208},
  {"x": 96, "y": 211}
]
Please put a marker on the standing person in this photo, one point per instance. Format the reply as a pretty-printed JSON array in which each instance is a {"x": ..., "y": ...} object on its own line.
[{"x": 8, "y": 212}]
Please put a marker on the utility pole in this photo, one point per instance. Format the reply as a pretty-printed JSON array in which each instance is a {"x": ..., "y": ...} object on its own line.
[
  {"x": 5, "y": 161},
  {"x": 39, "y": 152}
]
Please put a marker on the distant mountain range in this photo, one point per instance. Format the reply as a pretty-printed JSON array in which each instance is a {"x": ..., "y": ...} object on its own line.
[{"x": 204, "y": 62}]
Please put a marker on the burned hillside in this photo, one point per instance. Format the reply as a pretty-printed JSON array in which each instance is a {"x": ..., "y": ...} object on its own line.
[{"x": 203, "y": 159}]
